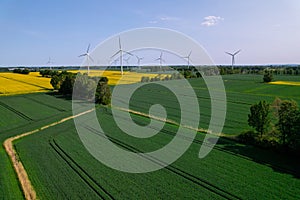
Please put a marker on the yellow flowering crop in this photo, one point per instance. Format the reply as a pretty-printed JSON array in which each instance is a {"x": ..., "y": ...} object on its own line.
[
  {"x": 115, "y": 77},
  {"x": 13, "y": 83},
  {"x": 285, "y": 83}
]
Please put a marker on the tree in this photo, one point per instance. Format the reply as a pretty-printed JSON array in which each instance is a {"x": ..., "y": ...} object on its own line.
[
  {"x": 288, "y": 123},
  {"x": 56, "y": 82},
  {"x": 268, "y": 77},
  {"x": 66, "y": 87},
  {"x": 58, "y": 78},
  {"x": 259, "y": 117},
  {"x": 103, "y": 93},
  {"x": 85, "y": 86}
]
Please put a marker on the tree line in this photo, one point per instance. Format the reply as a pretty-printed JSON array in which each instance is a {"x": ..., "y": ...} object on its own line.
[
  {"x": 276, "y": 125},
  {"x": 88, "y": 88},
  {"x": 274, "y": 70},
  {"x": 21, "y": 71}
]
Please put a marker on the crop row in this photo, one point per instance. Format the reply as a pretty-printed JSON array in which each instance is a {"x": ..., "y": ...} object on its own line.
[{"x": 89, "y": 180}]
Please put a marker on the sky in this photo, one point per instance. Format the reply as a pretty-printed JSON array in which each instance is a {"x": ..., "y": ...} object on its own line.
[{"x": 268, "y": 32}]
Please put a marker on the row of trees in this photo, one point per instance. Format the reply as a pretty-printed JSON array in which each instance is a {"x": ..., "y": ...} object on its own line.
[
  {"x": 277, "y": 124},
  {"x": 87, "y": 88},
  {"x": 275, "y": 70},
  {"x": 49, "y": 73},
  {"x": 174, "y": 76},
  {"x": 182, "y": 73},
  {"x": 21, "y": 71}
]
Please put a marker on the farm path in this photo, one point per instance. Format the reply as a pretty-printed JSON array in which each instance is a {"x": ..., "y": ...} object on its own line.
[{"x": 25, "y": 183}]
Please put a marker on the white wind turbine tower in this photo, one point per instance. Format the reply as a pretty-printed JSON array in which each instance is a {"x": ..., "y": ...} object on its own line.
[
  {"x": 49, "y": 63},
  {"x": 233, "y": 57},
  {"x": 188, "y": 59},
  {"x": 121, "y": 51},
  {"x": 160, "y": 59},
  {"x": 88, "y": 58},
  {"x": 139, "y": 60}
]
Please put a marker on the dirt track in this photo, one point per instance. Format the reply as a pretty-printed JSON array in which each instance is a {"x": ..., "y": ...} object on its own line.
[{"x": 27, "y": 187}]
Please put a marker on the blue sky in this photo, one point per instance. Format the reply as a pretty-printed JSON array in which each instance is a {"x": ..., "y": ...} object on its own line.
[{"x": 267, "y": 31}]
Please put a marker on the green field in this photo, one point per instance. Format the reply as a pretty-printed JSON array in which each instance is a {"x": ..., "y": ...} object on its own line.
[
  {"x": 59, "y": 166},
  {"x": 20, "y": 114}
]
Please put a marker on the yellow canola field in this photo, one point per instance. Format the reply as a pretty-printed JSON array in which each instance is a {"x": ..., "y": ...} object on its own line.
[
  {"x": 115, "y": 77},
  {"x": 285, "y": 83},
  {"x": 13, "y": 83}
]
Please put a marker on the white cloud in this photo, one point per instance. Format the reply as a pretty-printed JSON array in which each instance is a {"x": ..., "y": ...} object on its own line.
[
  {"x": 168, "y": 18},
  {"x": 153, "y": 22},
  {"x": 211, "y": 20}
]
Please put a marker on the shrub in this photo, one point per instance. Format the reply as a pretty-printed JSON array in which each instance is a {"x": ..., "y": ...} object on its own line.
[
  {"x": 268, "y": 77},
  {"x": 248, "y": 137}
]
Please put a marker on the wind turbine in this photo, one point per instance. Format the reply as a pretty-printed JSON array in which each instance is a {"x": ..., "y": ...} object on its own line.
[
  {"x": 139, "y": 60},
  {"x": 188, "y": 59},
  {"x": 88, "y": 58},
  {"x": 127, "y": 60},
  {"x": 160, "y": 59},
  {"x": 49, "y": 62},
  {"x": 233, "y": 55},
  {"x": 121, "y": 51}
]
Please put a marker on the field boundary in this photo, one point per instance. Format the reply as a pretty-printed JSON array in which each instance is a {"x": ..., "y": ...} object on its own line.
[{"x": 22, "y": 175}]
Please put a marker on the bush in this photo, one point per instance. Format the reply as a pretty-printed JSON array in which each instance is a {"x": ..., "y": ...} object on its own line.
[
  {"x": 145, "y": 79},
  {"x": 268, "y": 77},
  {"x": 248, "y": 137}
]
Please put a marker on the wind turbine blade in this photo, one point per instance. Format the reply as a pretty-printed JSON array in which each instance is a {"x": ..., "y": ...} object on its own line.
[
  {"x": 91, "y": 58},
  {"x": 120, "y": 46},
  {"x": 189, "y": 54},
  {"x": 82, "y": 55},
  {"x": 115, "y": 54},
  {"x": 128, "y": 53},
  {"x": 157, "y": 59},
  {"x": 229, "y": 53},
  {"x": 87, "y": 50},
  {"x": 161, "y": 54},
  {"x": 237, "y": 52}
]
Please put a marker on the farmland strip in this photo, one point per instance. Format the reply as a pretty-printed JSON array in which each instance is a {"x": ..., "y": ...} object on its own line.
[
  {"x": 45, "y": 104},
  {"x": 27, "y": 187},
  {"x": 80, "y": 171},
  {"x": 196, "y": 180},
  {"x": 16, "y": 111},
  {"x": 262, "y": 162},
  {"x": 25, "y": 82}
]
